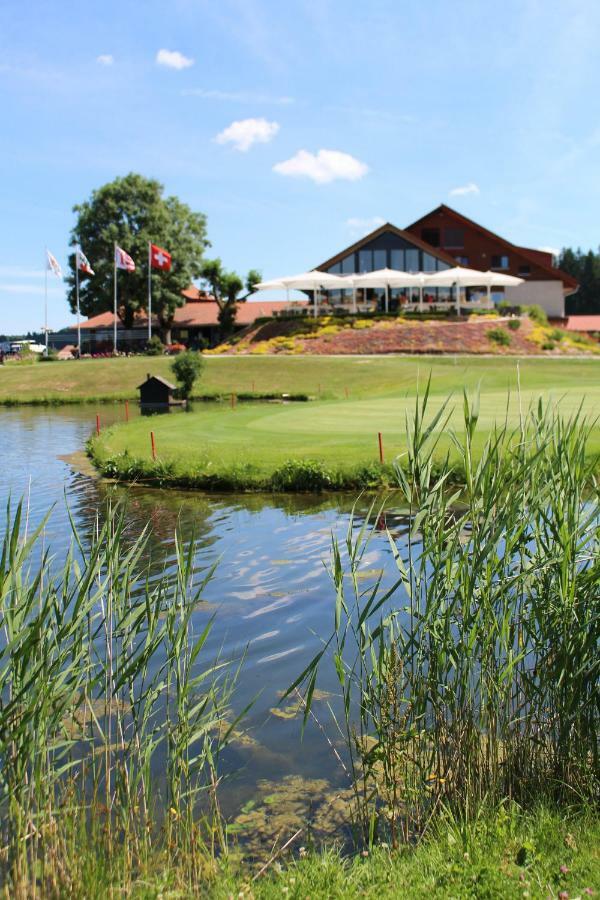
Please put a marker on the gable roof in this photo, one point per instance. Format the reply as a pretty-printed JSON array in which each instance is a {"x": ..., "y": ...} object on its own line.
[
  {"x": 158, "y": 378},
  {"x": 525, "y": 252},
  {"x": 411, "y": 238}
]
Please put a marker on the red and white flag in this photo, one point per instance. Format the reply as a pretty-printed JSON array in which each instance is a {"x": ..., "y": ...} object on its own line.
[
  {"x": 123, "y": 260},
  {"x": 83, "y": 263},
  {"x": 53, "y": 265},
  {"x": 159, "y": 258}
]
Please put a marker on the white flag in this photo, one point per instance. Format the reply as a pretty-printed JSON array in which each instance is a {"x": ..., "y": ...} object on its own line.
[
  {"x": 123, "y": 260},
  {"x": 53, "y": 265},
  {"x": 83, "y": 263}
]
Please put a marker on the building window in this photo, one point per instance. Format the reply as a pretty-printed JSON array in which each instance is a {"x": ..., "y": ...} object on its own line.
[
  {"x": 431, "y": 236},
  {"x": 397, "y": 260},
  {"x": 462, "y": 260},
  {"x": 441, "y": 266},
  {"x": 348, "y": 264},
  {"x": 379, "y": 259},
  {"x": 365, "y": 260},
  {"x": 524, "y": 271},
  {"x": 454, "y": 238},
  {"x": 412, "y": 259},
  {"x": 335, "y": 270},
  {"x": 428, "y": 263},
  {"x": 500, "y": 262}
]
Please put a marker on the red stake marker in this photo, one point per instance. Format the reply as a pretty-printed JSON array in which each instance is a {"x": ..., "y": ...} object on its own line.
[
  {"x": 153, "y": 445},
  {"x": 127, "y": 410},
  {"x": 380, "y": 447},
  {"x": 232, "y": 400},
  {"x": 97, "y": 424}
]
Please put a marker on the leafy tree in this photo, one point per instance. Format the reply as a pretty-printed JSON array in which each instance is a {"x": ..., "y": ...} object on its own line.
[
  {"x": 585, "y": 267},
  {"x": 187, "y": 367},
  {"x": 226, "y": 287},
  {"x": 132, "y": 211}
]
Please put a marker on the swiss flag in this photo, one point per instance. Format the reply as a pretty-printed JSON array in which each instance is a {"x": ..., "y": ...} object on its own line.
[{"x": 159, "y": 258}]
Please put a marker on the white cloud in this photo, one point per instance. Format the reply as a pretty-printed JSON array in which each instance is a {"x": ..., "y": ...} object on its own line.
[
  {"x": 553, "y": 250},
  {"x": 322, "y": 166},
  {"x": 359, "y": 227},
  {"x": 246, "y": 132},
  {"x": 105, "y": 59},
  {"x": 237, "y": 96},
  {"x": 463, "y": 190},
  {"x": 173, "y": 59}
]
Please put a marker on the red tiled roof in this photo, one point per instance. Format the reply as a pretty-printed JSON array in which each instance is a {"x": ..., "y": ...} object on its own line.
[
  {"x": 583, "y": 323},
  {"x": 197, "y": 313}
]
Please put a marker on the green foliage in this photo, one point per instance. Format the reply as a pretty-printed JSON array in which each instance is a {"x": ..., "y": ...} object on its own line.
[
  {"x": 226, "y": 287},
  {"x": 506, "y": 307},
  {"x": 537, "y": 314},
  {"x": 155, "y": 346},
  {"x": 133, "y": 211},
  {"x": 548, "y": 345},
  {"x": 585, "y": 267},
  {"x": 499, "y": 336},
  {"x": 557, "y": 334},
  {"x": 187, "y": 368},
  {"x": 108, "y": 702},
  {"x": 514, "y": 324},
  {"x": 459, "y": 682},
  {"x": 303, "y": 475}
]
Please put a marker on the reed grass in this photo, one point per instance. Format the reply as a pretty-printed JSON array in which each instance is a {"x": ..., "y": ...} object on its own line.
[
  {"x": 111, "y": 713},
  {"x": 475, "y": 677}
]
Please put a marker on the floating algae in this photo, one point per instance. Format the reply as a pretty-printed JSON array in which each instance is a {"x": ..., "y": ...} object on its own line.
[{"x": 282, "y": 808}]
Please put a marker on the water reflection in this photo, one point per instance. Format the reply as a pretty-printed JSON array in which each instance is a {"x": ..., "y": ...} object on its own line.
[{"x": 271, "y": 594}]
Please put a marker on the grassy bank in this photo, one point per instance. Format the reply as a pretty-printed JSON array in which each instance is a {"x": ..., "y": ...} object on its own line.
[
  {"x": 97, "y": 380},
  {"x": 330, "y": 444}
]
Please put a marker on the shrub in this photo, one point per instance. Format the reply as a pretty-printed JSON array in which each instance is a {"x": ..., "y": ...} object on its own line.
[
  {"x": 548, "y": 345},
  {"x": 557, "y": 334},
  {"x": 187, "y": 367},
  {"x": 537, "y": 314},
  {"x": 514, "y": 324},
  {"x": 303, "y": 475},
  {"x": 499, "y": 336},
  {"x": 155, "y": 346}
]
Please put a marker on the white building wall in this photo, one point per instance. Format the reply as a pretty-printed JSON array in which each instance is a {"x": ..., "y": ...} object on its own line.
[{"x": 547, "y": 294}]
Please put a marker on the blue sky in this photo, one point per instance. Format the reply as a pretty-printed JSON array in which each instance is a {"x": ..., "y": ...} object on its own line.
[{"x": 491, "y": 108}]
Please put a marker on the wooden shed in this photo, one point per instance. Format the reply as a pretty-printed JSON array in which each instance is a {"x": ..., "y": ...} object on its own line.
[{"x": 156, "y": 391}]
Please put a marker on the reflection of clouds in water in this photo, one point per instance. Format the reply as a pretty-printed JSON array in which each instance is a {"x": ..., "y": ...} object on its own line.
[
  {"x": 265, "y": 636},
  {"x": 280, "y": 655},
  {"x": 270, "y": 607},
  {"x": 292, "y": 619}
]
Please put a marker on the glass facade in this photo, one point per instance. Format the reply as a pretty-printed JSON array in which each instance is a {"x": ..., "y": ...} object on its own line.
[
  {"x": 365, "y": 261},
  {"x": 379, "y": 259},
  {"x": 412, "y": 260},
  {"x": 397, "y": 260},
  {"x": 348, "y": 265}
]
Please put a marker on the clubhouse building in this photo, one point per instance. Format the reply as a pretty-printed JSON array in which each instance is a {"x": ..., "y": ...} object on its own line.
[{"x": 443, "y": 239}]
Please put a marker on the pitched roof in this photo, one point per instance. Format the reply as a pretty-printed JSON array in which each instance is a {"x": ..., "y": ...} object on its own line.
[
  {"x": 196, "y": 313},
  {"x": 525, "y": 252},
  {"x": 157, "y": 378},
  {"x": 411, "y": 238}
]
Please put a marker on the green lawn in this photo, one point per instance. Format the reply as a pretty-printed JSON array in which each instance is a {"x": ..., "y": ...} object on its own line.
[
  {"x": 341, "y": 433},
  {"x": 381, "y": 376}
]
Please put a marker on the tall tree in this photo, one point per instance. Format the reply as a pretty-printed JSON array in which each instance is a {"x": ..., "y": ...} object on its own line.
[
  {"x": 226, "y": 288},
  {"x": 585, "y": 267},
  {"x": 132, "y": 211}
]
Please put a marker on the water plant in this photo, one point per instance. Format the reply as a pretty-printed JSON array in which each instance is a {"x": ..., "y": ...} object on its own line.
[
  {"x": 110, "y": 710},
  {"x": 475, "y": 676}
]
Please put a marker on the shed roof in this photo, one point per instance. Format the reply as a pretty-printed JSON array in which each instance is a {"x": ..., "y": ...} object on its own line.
[{"x": 158, "y": 378}]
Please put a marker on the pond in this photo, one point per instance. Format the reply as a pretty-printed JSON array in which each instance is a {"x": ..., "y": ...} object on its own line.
[{"x": 271, "y": 593}]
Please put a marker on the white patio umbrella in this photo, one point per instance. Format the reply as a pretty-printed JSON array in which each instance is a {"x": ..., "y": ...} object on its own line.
[
  {"x": 386, "y": 278},
  {"x": 314, "y": 281},
  {"x": 306, "y": 281},
  {"x": 457, "y": 277},
  {"x": 501, "y": 279}
]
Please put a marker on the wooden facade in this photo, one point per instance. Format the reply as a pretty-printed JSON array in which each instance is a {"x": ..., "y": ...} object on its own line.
[{"x": 157, "y": 392}]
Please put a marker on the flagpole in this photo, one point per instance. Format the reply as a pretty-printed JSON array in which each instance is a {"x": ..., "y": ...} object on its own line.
[
  {"x": 46, "y": 297},
  {"x": 115, "y": 298},
  {"x": 149, "y": 291},
  {"x": 77, "y": 295}
]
